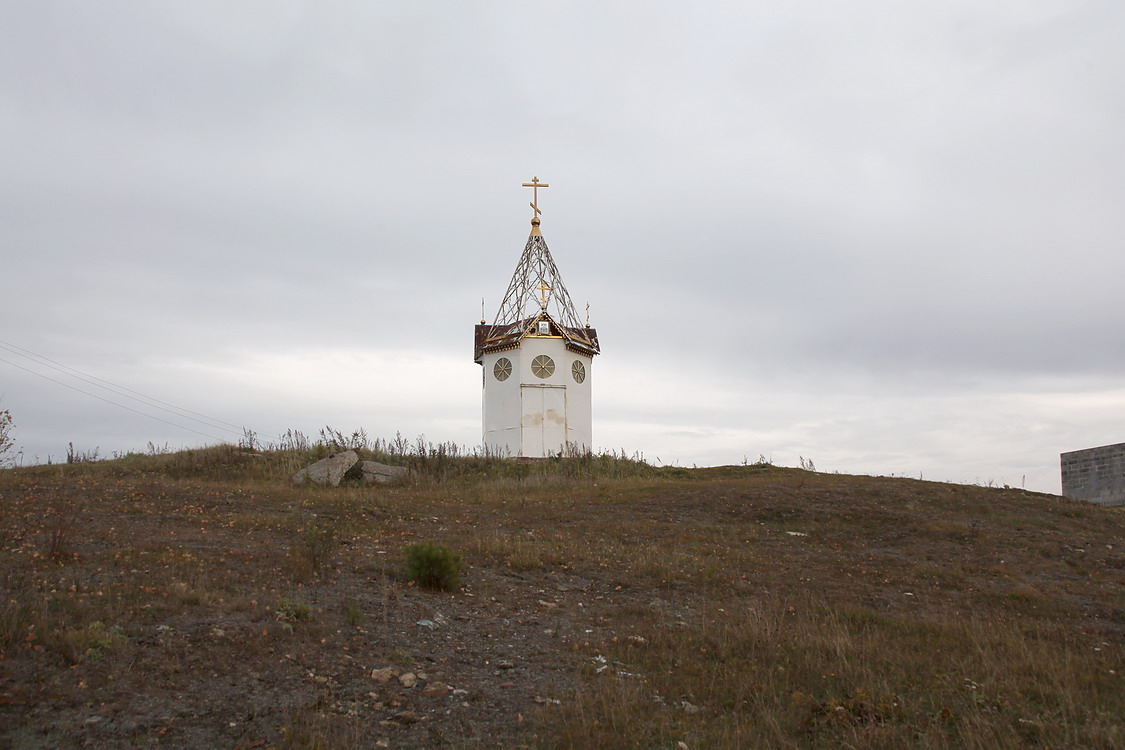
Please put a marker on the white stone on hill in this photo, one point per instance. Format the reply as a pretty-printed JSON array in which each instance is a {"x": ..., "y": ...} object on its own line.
[
  {"x": 332, "y": 470},
  {"x": 373, "y": 471},
  {"x": 329, "y": 471}
]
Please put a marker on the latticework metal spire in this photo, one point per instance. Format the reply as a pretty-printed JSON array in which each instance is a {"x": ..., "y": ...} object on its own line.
[
  {"x": 537, "y": 285},
  {"x": 536, "y": 292}
]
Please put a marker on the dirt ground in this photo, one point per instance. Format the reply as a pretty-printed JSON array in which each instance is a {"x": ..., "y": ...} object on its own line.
[
  {"x": 149, "y": 611},
  {"x": 188, "y": 587}
]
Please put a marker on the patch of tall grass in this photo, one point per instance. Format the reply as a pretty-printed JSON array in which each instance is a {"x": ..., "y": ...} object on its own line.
[
  {"x": 796, "y": 670},
  {"x": 435, "y": 462}
]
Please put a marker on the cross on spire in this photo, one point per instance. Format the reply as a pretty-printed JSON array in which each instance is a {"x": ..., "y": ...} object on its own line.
[{"x": 535, "y": 184}]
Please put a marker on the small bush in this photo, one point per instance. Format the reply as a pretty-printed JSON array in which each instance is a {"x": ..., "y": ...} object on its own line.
[
  {"x": 434, "y": 566},
  {"x": 353, "y": 615},
  {"x": 317, "y": 545},
  {"x": 21, "y": 620},
  {"x": 77, "y": 644},
  {"x": 289, "y": 611},
  {"x": 6, "y": 441}
]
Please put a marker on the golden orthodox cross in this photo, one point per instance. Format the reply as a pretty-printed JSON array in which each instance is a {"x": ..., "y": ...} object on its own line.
[
  {"x": 543, "y": 289},
  {"x": 535, "y": 184}
]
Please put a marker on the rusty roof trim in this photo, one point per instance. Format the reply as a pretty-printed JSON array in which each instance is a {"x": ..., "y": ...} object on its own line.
[{"x": 492, "y": 338}]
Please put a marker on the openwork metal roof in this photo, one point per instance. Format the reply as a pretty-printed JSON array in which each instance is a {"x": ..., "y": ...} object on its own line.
[{"x": 537, "y": 285}]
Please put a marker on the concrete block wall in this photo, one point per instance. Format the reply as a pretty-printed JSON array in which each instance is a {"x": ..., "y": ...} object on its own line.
[{"x": 1095, "y": 474}]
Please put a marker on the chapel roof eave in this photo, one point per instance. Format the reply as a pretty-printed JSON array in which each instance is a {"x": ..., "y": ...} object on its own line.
[{"x": 491, "y": 338}]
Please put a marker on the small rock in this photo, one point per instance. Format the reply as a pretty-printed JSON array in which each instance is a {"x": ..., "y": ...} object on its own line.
[
  {"x": 405, "y": 717},
  {"x": 383, "y": 675},
  {"x": 574, "y": 584},
  {"x": 92, "y": 720},
  {"x": 408, "y": 680},
  {"x": 436, "y": 690},
  {"x": 505, "y": 665},
  {"x": 689, "y": 707},
  {"x": 428, "y": 624}
]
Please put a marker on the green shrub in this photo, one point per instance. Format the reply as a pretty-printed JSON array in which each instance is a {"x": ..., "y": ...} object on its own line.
[
  {"x": 353, "y": 615},
  {"x": 77, "y": 644},
  {"x": 288, "y": 610},
  {"x": 434, "y": 566},
  {"x": 317, "y": 545}
]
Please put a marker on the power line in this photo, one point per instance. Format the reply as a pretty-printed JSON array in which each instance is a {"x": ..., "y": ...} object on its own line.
[
  {"x": 106, "y": 400},
  {"x": 122, "y": 391},
  {"x": 119, "y": 390},
  {"x": 175, "y": 411}
]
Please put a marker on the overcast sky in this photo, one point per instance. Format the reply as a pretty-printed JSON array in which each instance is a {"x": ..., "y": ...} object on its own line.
[{"x": 883, "y": 236}]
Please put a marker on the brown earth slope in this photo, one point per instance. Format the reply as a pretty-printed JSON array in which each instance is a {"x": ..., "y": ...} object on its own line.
[{"x": 145, "y": 604}]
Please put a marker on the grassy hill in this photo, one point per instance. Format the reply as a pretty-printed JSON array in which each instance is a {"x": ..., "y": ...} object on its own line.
[{"x": 198, "y": 599}]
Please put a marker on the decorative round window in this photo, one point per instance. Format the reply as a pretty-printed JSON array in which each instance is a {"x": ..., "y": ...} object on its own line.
[
  {"x": 578, "y": 370},
  {"x": 502, "y": 369},
  {"x": 542, "y": 366}
]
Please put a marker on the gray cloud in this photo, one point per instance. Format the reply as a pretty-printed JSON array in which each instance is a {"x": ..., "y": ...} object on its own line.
[{"x": 882, "y": 234}]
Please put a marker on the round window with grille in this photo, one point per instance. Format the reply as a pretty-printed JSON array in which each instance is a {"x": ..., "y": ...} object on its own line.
[
  {"x": 578, "y": 371},
  {"x": 542, "y": 366},
  {"x": 502, "y": 369}
]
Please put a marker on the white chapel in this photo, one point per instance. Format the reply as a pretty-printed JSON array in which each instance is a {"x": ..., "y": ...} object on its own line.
[{"x": 537, "y": 359}]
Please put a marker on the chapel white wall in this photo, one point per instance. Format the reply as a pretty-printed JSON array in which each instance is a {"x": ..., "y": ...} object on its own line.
[{"x": 526, "y": 415}]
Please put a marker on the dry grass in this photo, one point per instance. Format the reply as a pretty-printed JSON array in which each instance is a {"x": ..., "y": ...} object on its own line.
[
  {"x": 795, "y": 672},
  {"x": 199, "y": 599}
]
